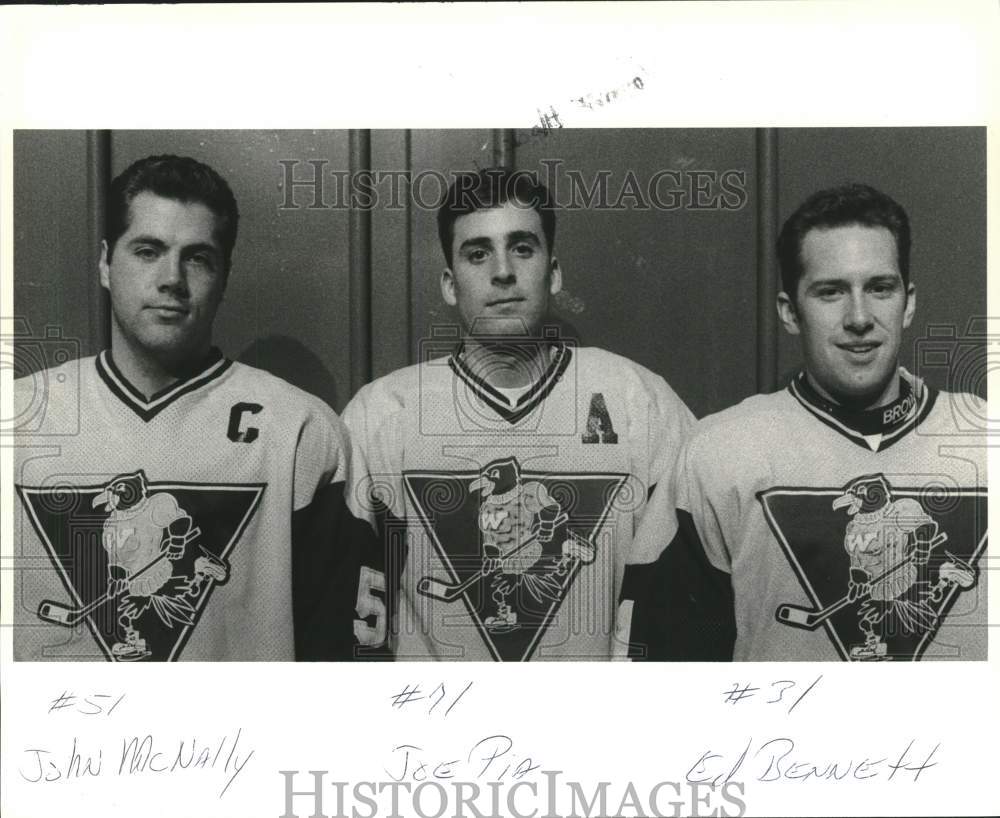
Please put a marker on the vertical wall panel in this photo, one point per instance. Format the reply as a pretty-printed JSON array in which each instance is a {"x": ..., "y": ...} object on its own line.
[
  {"x": 286, "y": 306},
  {"x": 503, "y": 147},
  {"x": 766, "y": 194},
  {"x": 360, "y": 247},
  {"x": 939, "y": 176},
  {"x": 391, "y": 277},
  {"x": 55, "y": 255},
  {"x": 98, "y": 182},
  {"x": 673, "y": 289}
]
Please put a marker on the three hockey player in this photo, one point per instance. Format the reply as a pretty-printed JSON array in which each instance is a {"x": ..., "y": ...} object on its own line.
[{"x": 505, "y": 480}]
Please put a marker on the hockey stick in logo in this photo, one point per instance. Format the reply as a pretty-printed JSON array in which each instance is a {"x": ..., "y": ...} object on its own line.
[
  {"x": 58, "y": 614},
  {"x": 809, "y": 619},
  {"x": 443, "y": 592}
]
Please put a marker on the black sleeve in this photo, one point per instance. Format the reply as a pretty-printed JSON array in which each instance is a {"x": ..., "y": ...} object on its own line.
[
  {"x": 684, "y": 607},
  {"x": 383, "y": 554},
  {"x": 328, "y": 548}
]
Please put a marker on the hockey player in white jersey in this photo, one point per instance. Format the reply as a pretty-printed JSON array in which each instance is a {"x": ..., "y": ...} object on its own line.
[
  {"x": 506, "y": 478},
  {"x": 175, "y": 504},
  {"x": 845, "y": 516}
]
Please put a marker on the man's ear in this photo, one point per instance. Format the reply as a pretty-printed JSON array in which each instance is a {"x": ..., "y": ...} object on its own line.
[
  {"x": 787, "y": 313},
  {"x": 555, "y": 276},
  {"x": 448, "y": 287},
  {"x": 103, "y": 266},
  {"x": 911, "y": 305}
]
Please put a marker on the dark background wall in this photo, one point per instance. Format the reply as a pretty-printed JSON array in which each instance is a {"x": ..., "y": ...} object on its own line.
[{"x": 675, "y": 287}]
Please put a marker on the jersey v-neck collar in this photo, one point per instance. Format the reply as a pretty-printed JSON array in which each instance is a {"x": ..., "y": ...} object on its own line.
[
  {"x": 872, "y": 429},
  {"x": 148, "y": 408},
  {"x": 558, "y": 361}
]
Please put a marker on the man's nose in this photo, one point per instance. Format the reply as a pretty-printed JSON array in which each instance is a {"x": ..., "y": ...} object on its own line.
[
  {"x": 858, "y": 315},
  {"x": 172, "y": 275},
  {"x": 503, "y": 272}
]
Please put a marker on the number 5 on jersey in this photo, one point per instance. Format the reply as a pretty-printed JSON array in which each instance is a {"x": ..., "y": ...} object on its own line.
[{"x": 371, "y": 603}]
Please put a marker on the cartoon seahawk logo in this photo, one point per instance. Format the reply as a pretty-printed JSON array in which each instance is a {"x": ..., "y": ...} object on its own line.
[
  {"x": 516, "y": 519},
  {"x": 144, "y": 537},
  {"x": 888, "y": 542},
  {"x": 510, "y": 544}
]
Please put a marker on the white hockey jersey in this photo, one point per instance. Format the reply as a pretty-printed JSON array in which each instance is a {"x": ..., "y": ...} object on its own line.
[
  {"x": 174, "y": 527},
  {"x": 807, "y": 532},
  {"x": 507, "y": 523}
]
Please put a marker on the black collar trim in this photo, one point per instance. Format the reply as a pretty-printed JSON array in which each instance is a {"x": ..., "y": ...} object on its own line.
[
  {"x": 893, "y": 422},
  {"x": 527, "y": 402},
  {"x": 148, "y": 408}
]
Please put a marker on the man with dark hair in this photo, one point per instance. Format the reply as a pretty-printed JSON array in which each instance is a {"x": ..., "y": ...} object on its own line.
[
  {"x": 850, "y": 341},
  {"x": 852, "y": 204},
  {"x": 493, "y": 187},
  {"x": 169, "y": 508},
  {"x": 179, "y": 178},
  {"x": 506, "y": 479},
  {"x": 828, "y": 520}
]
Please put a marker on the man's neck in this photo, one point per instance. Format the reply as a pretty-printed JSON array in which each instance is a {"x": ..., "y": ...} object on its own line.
[
  {"x": 888, "y": 394},
  {"x": 150, "y": 375},
  {"x": 518, "y": 363}
]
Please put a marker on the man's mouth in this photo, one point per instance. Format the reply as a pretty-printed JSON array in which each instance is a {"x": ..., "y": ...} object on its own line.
[
  {"x": 860, "y": 347},
  {"x": 498, "y": 301},
  {"x": 174, "y": 309}
]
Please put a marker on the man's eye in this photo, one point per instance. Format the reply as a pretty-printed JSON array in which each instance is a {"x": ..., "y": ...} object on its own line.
[
  {"x": 883, "y": 288},
  {"x": 202, "y": 260},
  {"x": 476, "y": 256},
  {"x": 828, "y": 293},
  {"x": 524, "y": 250},
  {"x": 146, "y": 253}
]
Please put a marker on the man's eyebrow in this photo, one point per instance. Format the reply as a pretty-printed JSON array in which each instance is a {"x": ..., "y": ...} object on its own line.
[
  {"x": 476, "y": 241},
  {"x": 522, "y": 235},
  {"x": 826, "y": 282},
  {"x": 835, "y": 281},
  {"x": 202, "y": 246},
  {"x": 153, "y": 240}
]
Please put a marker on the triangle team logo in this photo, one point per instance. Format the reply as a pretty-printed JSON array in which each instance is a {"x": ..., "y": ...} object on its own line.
[
  {"x": 513, "y": 542},
  {"x": 881, "y": 565},
  {"x": 138, "y": 559}
]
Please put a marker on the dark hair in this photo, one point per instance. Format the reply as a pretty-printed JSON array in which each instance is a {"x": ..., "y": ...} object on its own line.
[
  {"x": 173, "y": 177},
  {"x": 493, "y": 187},
  {"x": 852, "y": 204}
]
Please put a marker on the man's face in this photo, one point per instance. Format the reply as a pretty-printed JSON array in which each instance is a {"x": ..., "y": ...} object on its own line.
[
  {"x": 166, "y": 277},
  {"x": 851, "y": 309},
  {"x": 502, "y": 273}
]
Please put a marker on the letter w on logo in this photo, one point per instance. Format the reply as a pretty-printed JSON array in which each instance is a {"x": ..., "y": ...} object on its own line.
[
  {"x": 860, "y": 542},
  {"x": 493, "y": 518}
]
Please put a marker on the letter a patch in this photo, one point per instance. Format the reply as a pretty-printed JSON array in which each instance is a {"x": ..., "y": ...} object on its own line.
[{"x": 599, "y": 426}]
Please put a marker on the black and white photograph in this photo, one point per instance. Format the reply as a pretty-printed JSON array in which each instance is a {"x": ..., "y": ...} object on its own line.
[
  {"x": 697, "y": 400},
  {"x": 515, "y": 337}
]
